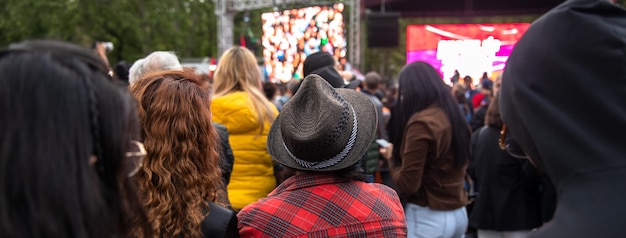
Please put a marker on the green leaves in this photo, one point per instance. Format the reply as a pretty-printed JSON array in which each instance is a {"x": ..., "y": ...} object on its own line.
[{"x": 136, "y": 27}]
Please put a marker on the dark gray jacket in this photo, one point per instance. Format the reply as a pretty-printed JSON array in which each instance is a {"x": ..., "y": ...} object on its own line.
[
  {"x": 226, "y": 153},
  {"x": 563, "y": 98},
  {"x": 509, "y": 189}
]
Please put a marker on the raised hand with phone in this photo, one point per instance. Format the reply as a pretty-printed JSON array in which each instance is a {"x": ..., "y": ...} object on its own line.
[
  {"x": 101, "y": 49},
  {"x": 386, "y": 148}
]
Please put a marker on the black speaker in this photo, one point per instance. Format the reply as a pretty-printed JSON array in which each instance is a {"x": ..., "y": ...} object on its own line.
[{"x": 382, "y": 29}]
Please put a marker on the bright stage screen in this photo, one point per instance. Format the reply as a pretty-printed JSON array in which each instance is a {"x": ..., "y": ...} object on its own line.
[
  {"x": 469, "y": 48},
  {"x": 290, "y": 35}
]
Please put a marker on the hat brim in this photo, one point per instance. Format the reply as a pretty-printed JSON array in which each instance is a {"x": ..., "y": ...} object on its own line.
[{"x": 366, "y": 130}]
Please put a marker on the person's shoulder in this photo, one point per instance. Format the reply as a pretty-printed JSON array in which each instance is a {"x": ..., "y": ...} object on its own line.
[
  {"x": 233, "y": 105},
  {"x": 221, "y": 222},
  {"x": 374, "y": 99},
  {"x": 261, "y": 205},
  {"x": 382, "y": 200},
  {"x": 429, "y": 122},
  {"x": 485, "y": 131},
  {"x": 431, "y": 113},
  {"x": 254, "y": 208},
  {"x": 380, "y": 190},
  {"x": 257, "y": 215},
  {"x": 232, "y": 98},
  {"x": 253, "y": 219}
]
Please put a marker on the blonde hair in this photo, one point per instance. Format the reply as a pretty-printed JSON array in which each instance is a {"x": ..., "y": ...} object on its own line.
[{"x": 237, "y": 71}]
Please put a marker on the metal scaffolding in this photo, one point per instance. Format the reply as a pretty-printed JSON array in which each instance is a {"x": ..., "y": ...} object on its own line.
[
  {"x": 225, "y": 11},
  {"x": 354, "y": 51}
]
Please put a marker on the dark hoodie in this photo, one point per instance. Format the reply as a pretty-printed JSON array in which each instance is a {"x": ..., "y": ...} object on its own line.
[{"x": 564, "y": 100}]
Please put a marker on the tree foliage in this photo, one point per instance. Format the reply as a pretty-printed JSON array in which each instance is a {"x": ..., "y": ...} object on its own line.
[{"x": 136, "y": 27}]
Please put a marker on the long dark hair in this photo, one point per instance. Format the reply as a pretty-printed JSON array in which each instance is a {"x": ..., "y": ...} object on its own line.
[
  {"x": 420, "y": 86},
  {"x": 59, "y": 108},
  {"x": 492, "y": 116}
]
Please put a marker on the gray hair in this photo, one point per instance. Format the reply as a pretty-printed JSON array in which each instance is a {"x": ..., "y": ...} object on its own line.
[{"x": 156, "y": 61}]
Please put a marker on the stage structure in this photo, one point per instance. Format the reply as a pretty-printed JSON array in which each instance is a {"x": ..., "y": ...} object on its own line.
[{"x": 225, "y": 11}]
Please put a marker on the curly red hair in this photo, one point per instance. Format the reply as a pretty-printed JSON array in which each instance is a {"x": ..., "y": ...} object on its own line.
[{"x": 181, "y": 173}]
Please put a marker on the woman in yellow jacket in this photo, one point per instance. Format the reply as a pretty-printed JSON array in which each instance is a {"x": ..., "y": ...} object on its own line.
[{"x": 239, "y": 104}]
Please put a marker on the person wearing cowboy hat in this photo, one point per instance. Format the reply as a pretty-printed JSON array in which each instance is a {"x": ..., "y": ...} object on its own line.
[{"x": 322, "y": 134}]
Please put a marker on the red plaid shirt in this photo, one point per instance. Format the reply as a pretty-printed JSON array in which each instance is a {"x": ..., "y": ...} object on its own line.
[{"x": 316, "y": 205}]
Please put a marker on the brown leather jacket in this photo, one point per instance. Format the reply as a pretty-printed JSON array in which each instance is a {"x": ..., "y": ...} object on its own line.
[{"x": 428, "y": 174}]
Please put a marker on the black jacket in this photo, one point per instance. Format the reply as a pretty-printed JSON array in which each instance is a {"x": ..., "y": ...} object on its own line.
[
  {"x": 563, "y": 98},
  {"x": 478, "y": 119},
  {"x": 226, "y": 153},
  {"x": 221, "y": 222},
  {"x": 509, "y": 189}
]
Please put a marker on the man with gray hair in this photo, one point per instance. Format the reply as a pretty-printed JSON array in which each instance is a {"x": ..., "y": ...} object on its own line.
[{"x": 156, "y": 61}]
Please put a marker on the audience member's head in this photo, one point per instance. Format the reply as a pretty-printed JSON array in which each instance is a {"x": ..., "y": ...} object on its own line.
[
  {"x": 323, "y": 129},
  {"x": 269, "y": 89},
  {"x": 134, "y": 72},
  {"x": 469, "y": 82},
  {"x": 121, "y": 70},
  {"x": 455, "y": 77},
  {"x": 372, "y": 81},
  {"x": 496, "y": 85},
  {"x": 154, "y": 62},
  {"x": 292, "y": 86},
  {"x": 486, "y": 83},
  {"x": 486, "y": 87},
  {"x": 458, "y": 90},
  {"x": 330, "y": 74},
  {"x": 484, "y": 77},
  {"x": 492, "y": 116},
  {"x": 237, "y": 71},
  {"x": 317, "y": 61},
  {"x": 181, "y": 172},
  {"x": 67, "y": 129}
]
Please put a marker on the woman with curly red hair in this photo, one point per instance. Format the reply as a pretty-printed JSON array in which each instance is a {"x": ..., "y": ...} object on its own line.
[{"x": 180, "y": 181}]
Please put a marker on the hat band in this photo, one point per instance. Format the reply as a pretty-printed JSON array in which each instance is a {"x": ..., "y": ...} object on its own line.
[{"x": 334, "y": 160}]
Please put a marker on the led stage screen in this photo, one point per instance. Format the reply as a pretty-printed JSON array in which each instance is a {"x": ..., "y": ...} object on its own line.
[
  {"x": 469, "y": 48},
  {"x": 290, "y": 35}
]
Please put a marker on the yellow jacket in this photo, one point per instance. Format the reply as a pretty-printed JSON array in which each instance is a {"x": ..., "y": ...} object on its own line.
[{"x": 253, "y": 171}]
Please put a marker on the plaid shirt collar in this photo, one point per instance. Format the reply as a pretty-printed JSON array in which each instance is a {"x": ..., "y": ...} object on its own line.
[{"x": 301, "y": 181}]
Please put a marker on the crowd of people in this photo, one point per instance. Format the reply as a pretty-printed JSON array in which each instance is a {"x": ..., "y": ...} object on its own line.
[
  {"x": 292, "y": 35},
  {"x": 170, "y": 153}
]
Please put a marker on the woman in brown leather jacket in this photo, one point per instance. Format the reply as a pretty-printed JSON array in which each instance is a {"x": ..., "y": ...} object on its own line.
[{"x": 431, "y": 155}]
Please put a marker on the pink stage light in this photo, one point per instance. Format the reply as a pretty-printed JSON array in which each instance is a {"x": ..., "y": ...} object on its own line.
[{"x": 469, "y": 48}]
